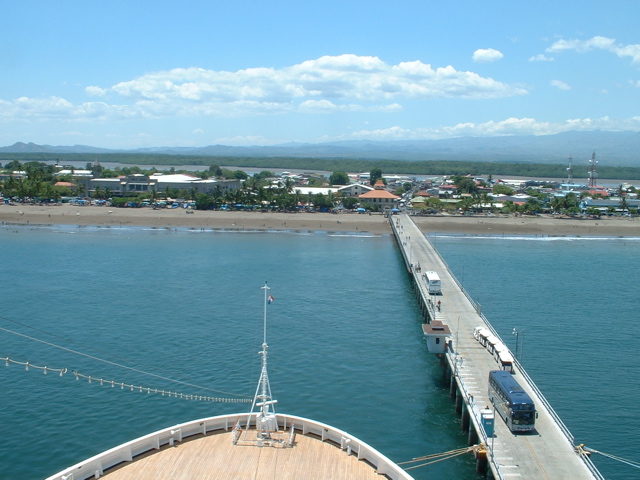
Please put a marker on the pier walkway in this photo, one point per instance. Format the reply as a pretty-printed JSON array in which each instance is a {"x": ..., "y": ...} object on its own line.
[{"x": 549, "y": 451}]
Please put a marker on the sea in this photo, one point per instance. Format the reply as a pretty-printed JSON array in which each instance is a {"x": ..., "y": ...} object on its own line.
[{"x": 182, "y": 310}]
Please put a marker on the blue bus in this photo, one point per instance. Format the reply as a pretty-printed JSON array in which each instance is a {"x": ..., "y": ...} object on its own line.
[{"x": 511, "y": 401}]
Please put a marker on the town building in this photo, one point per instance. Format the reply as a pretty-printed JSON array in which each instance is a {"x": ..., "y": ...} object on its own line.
[
  {"x": 138, "y": 183},
  {"x": 379, "y": 196}
]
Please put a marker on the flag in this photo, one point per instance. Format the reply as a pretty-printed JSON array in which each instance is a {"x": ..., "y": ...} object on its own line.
[{"x": 270, "y": 299}]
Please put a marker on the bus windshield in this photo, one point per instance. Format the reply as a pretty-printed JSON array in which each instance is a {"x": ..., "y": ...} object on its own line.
[{"x": 523, "y": 418}]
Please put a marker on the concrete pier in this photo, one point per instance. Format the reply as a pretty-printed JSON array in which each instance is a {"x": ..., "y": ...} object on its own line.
[{"x": 546, "y": 453}]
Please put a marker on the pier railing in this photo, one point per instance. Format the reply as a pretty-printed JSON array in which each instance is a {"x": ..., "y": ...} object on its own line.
[
  {"x": 473, "y": 411},
  {"x": 563, "y": 428},
  {"x": 567, "y": 433}
]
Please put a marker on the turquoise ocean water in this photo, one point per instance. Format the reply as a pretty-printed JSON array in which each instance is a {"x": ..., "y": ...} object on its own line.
[{"x": 344, "y": 336}]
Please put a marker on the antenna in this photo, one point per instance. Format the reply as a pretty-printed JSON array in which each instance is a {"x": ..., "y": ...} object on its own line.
[
  {"x": 570, "y": 170},
  {"x": 592, "y": 170},
  {"x": 266, "y": 420}
]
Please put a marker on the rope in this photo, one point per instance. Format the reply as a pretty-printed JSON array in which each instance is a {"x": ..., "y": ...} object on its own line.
[
  {"x": 445, "y": 456},
  {"x": 91, "y": 379},
  {"x": 118, "y": 364},
  {"x": 439, "y": 457},
  {"x": 631, "y": 463}
]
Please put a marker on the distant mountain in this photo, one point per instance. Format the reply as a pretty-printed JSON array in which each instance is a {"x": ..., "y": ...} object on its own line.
[
  {"x": 20, "y": 147},
  {"x": 612, "y": 149}
]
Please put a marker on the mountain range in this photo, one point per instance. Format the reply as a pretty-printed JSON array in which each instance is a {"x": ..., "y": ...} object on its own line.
[{"x": 612, "y": 149}]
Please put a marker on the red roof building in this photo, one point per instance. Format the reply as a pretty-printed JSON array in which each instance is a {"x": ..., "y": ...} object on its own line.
[{"x": 380, "y": 197}]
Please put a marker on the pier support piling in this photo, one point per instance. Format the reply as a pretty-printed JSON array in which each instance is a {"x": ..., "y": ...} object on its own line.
[
  {"x": 459, "y": 403},
  {"x": 465, "y": 418},
  {"x": 481, "y": 460},
  {"x": 473, "y": 436}
]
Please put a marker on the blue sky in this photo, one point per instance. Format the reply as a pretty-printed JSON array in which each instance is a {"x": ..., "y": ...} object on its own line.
[{"x": 137, "y": 73}]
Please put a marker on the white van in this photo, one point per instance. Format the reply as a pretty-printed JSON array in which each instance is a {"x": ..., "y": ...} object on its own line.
[
  {"x": 498, "y": 348},
  {"x": 491, "y": 343},
  {"x": 433, "y": 283},
  {"x": 506, "y": 361},
  {"x": 481, "y": 333}
]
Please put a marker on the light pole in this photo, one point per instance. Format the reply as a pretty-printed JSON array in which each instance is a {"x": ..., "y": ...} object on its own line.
[{"x": 517, "y": 334}]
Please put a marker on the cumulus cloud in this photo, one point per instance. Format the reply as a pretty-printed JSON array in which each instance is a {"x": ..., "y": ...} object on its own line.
[
  {"x": 559, "y": 84},
  {"x": 95, "y": 91},
  {"x": 391, "y": 133},
  {"x": 484, "y": 55},
  {"x": 509, "y": 126},
  {"x": 323, "y": 85},
  {"x": 52, "y": 108},
  {"x": 540, "y": 58},
  {"x": 598, "y": 43}
]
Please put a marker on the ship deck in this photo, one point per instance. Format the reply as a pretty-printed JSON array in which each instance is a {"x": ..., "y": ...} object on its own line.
[{"x": 214, "y": 456}]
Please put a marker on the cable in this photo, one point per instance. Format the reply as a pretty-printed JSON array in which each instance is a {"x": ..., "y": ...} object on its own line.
[
  {"x": 169, "y": 393},
  {"x": 631, "y": 463},
  {"x": 118, "y": 364},
  {"x": 437, "y": 455},
  {"x": 66, "y": 340},
  {"x": 466, "y": 450}
]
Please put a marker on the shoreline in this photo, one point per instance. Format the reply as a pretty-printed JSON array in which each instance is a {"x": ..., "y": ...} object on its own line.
[{"x": 552, "y": 226}]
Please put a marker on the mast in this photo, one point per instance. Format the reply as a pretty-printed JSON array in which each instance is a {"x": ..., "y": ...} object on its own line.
[
  {"x": 266, "y": 421},
  {"x": 570, "y": 170}
]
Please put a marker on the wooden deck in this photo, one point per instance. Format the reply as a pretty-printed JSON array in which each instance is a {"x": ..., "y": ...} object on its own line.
[{"x": 214, "y": 456}]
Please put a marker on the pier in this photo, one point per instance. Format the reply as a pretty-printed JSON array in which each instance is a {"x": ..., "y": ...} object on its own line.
[{"x": 549, "y": 451}]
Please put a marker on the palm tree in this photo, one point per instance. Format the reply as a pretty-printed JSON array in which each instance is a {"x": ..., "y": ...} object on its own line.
[
  {"x": 288, "y": 185},
  {"x": 466, "y": 204},
  {"x": 487, "y": 200},
  {"x": 331, "y": 198},
  {"x": 154, "y": 195},
  {"x": 623, "y": 200}
]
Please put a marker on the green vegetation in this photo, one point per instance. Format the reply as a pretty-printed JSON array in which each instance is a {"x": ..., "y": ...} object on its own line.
[
  {"x": 502, "y": 190},
  {"x": 427, "y": 167},
  {"x": 374, "y": 175},
  {"x": 339, "y": 178},
  {"x": 40, "y": 182}
]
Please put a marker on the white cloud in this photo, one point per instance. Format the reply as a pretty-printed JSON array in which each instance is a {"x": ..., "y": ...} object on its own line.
[
  {"x": 484, "y": 55},
  {"x": 560, "y": 85},
  {"x": 95, "y": 91},
  {"x": 510, "y": 126},
  {"x": 327, "y": 84},
  {"x": 392, "y": 133},
  {"x": 600, "y": 43},
  {"x": 540, "y": 58}
]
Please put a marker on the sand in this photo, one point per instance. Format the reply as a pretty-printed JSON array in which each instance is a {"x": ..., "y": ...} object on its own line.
[{"x": 342, "y": 222}]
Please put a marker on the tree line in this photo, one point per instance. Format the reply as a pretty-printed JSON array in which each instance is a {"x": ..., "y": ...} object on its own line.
[{"x": 403, "y": 167}]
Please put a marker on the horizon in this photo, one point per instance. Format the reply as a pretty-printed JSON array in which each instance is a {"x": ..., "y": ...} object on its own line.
[{"x": 258, "y": 74}]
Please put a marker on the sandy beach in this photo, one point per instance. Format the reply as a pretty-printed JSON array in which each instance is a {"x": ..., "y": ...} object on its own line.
[{"x": 343, "y": 222}]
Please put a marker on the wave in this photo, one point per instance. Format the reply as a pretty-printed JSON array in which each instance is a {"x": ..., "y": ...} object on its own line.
[{"x": 529, "y": 238}]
